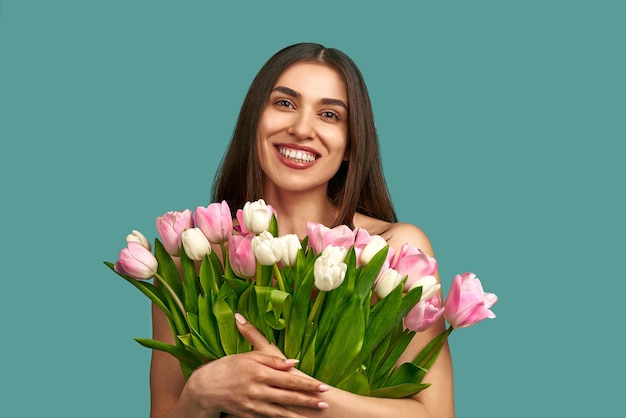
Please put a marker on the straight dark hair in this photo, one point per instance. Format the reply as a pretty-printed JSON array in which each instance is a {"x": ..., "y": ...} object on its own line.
[{"x": 358, "y": 185}]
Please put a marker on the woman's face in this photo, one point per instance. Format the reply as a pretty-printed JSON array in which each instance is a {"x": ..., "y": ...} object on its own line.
[{"x": 303, "y": 130}]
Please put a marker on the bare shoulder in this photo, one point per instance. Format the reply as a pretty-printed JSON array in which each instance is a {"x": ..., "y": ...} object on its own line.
[{"x": 397, "y": 234}]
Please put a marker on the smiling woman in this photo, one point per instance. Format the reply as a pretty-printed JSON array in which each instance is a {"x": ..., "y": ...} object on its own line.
[{"x": 305, "y": 142}]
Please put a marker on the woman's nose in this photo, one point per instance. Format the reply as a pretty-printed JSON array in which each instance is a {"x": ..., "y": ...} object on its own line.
[{"x": 302, "y": 126}]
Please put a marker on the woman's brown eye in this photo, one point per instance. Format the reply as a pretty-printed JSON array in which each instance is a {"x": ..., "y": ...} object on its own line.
[
  {"x": 331, "y": 115},
  {"x": 283, "y": 103}
]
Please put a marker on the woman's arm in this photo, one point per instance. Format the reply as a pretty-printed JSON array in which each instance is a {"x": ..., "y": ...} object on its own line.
[{"x": 249, "y": 384}]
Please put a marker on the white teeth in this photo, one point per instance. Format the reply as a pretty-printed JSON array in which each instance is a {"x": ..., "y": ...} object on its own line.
[{"x": 297, "y": 155}]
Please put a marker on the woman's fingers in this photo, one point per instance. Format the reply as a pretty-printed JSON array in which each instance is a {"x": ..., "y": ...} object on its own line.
[{"x": 254, "y": 336}]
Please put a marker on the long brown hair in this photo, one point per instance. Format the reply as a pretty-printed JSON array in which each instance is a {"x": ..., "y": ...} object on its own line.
[{"x": 358, "y": 185}]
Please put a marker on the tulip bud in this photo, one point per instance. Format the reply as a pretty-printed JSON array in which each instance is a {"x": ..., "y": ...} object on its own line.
[
  {"x": 241, "y": 256},
  {"x": 424, "y": 314},
  {"x": 170, "y": 226},
  {"x": 336, "y": 254},
  {"x": 466, "y": 303},
  {"x": 139, "y": 238},
  {"x": 215, "y": 221},
  {"x": 257, "y": 216},
  {"x": 372, "y": 248},
  {"x": 267, "y": 249},
  {"x": 137, "y": 262},
  {"x": 386, "y": 282},
  {"x": 429, "y": 286},
  {"x": 195, "y": 243},
  {"x": 291, "y": 245},
  {"x": 328, "y": 274}
]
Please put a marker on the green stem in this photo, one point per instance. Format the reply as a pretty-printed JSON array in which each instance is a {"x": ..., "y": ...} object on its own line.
[
  {"x": 279, "y": 278},
  {"x": 317, "y": 305},
  {"x": 164, "y": 283}
]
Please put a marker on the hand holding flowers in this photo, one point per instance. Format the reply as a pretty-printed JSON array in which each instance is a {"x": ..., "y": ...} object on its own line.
[{"x": 340, "y": 301}]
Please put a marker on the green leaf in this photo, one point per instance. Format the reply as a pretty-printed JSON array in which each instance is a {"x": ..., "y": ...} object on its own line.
[
  {"x": 344, "y": 342},
  {"x": 369, "y": 273},
  {"x": 387, "y": 313},
  {"x": 190, "y": 287},
  {"x": 300, "y": 308},
  {"x": 208, "y": 325},
  {"x": 394, "y": 352},
  {"x": 356, "y": 383},
  {"x": 400, "y": 391},
  {"x": 307, "y": 363},
  {"x": 209, "y": 274},
  {"x": 183, "y": 355},
  {"x": 426, "y": 358},
  {"x": 406, "y": 373},
  {"x": 167, "y": 269},
  {"x": 225, "y": 317},
  {"x": 273, "y": 228}
]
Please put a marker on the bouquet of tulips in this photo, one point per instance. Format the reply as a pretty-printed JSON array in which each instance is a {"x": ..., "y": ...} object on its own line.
[{"x": 340, "y": 300}]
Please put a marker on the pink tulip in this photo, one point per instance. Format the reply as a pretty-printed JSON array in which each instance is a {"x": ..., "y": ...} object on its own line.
[
  {"x": 170, "y": 226},
  {"x": 414, "y": 263},
  {"x": 215, "y": 221},
  {"x": 466, "y": 303},
  {"x": 136, "y": 261},
  {"x": 321, "y": 236},
  {"x": 424, "y": 314},
  {"x": 241, "y": 256}
]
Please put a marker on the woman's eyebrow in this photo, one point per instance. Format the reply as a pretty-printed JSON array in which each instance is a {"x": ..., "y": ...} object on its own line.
[
  {"x": 287, "y": 91},
  {"x": 296, "y": 95}
]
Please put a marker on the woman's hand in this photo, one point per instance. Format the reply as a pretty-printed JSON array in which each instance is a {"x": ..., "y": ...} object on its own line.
[{"x": 255, "y": 384}]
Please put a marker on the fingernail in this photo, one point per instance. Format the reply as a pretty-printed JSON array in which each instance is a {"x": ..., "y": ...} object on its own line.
[
  {"x": 324, "y": 387},
  {"x": 240, "y": 319},
  {"x": 322, "y": 405},
  {"x": 292, "y": 361}
]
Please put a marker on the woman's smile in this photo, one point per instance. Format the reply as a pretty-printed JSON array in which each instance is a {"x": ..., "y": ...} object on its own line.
[{"x": 296, "y": 157}]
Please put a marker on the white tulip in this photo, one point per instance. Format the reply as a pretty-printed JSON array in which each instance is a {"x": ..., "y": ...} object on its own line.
[
  {"x": 328, "y": 274},
  {"x": 372, "y": 248},
  {"x": 195, "y": 243},
  {"x": 267, "y": 249},
  {"x": 429, "y": 286},
  {"x": 139, "y": 238},
  {"x": 257, "y": 216},
  {"x": 387, "y": 282},
  {"x": 291, "y": 245},
  {"x": 336, "y": 254}
]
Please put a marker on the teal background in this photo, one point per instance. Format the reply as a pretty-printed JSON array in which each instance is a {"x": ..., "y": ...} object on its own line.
[{"x": 501, "y": 126}]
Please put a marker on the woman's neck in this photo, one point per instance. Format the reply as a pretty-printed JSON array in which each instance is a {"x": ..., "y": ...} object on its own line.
[{"x": 296, "y": 209}]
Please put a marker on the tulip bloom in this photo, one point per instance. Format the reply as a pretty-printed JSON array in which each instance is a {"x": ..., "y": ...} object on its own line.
[
  {"x": 386, "y": 282},
  {"x": 413, "y": 263},
  {"x": 139, "y": 238},
  {"x": 137, "y": 262},
  {"x": 267, "y": 249},
  {"x": 329, "y": 269},
  {"x": 424, "y": 314},
  {"x": 375, "y": 244},
  {"x": 257, "y": 216},
  {"x": 241, "y": 256},
  {"x": 170, "y": 226},
  {"x": 321, "y": 236},
  {"x": 429, "y": 286},
  {"x": 195, "y": 243},
  {"x": 215, "y": 221},
  {"x": 291, "y": 245},
  {"x": 466, "y": 303}
]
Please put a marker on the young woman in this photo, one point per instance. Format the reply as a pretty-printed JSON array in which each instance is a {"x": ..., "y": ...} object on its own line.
[{"x": 305, "y": 142}]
